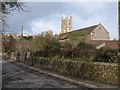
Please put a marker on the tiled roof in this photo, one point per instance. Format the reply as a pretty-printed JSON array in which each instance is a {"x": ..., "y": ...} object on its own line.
[
  {"x": 62, "y": 36},
  {"x": 85, "y": 31},
  {"x": 80, "y": 32}
]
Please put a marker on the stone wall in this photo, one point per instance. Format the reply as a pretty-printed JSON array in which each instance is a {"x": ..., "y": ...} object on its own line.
[
  {"x": 104, "y": 72},
  {"x": 100, "y": 33}
]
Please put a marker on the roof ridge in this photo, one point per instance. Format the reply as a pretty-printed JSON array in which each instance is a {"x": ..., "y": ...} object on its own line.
[
  {"x": 84, "y": 28},
  {"x": 88, "y": 26}
]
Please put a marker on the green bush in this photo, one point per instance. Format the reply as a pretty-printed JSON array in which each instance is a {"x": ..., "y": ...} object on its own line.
[
  {"x": 83, "y": 50},
  {"x": 83, "y": 45},
  {"x": 108, "y": 55}
]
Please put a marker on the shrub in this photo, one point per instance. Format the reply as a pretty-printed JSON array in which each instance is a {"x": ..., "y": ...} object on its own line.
[
  {"x": 83, "y": 45},
  {"x": 108, "y": 55},
  {"x": 83, "y": 50},
  {"x": 66, "y": 50},
  {"x": 9, "y": 44},
  {"x": 51, "y": 48}
]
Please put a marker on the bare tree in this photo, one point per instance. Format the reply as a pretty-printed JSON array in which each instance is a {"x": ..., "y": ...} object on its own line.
[
  {"x": 11, "y": 5},
  {"x": 6, "y": 8}
]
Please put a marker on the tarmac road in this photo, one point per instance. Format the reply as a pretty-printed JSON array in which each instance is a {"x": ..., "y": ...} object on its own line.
[{"x": 14, "y": 76}]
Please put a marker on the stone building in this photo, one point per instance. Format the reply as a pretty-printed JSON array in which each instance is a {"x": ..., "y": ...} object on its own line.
[
  {"x": 95, "y": 32},
  {"x": 99, "y": 33},
  {"x": 66, "y": 24}
]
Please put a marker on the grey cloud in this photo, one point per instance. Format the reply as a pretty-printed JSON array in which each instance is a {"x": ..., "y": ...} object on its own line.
[{"x": 46, "y": 11}]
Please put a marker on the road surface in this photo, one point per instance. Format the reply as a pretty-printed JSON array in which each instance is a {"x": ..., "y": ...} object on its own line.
[{"x": 14, "y": 76}]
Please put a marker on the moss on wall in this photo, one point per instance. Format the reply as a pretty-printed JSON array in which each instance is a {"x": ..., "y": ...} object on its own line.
[{"x": 103, "y": 72}]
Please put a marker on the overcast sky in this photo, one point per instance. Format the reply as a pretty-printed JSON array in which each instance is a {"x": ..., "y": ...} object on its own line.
[{"x": 43, "y": 16}]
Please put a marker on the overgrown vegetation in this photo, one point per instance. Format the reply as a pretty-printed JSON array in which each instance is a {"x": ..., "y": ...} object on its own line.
[
  {"x": 106, "y": 56},
  {"x": 9, "y": 44},
  {"x": 44, "y": 45}
]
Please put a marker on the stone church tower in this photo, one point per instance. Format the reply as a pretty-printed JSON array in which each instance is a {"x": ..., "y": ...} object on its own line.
[{"x": 66, "y": 24}]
